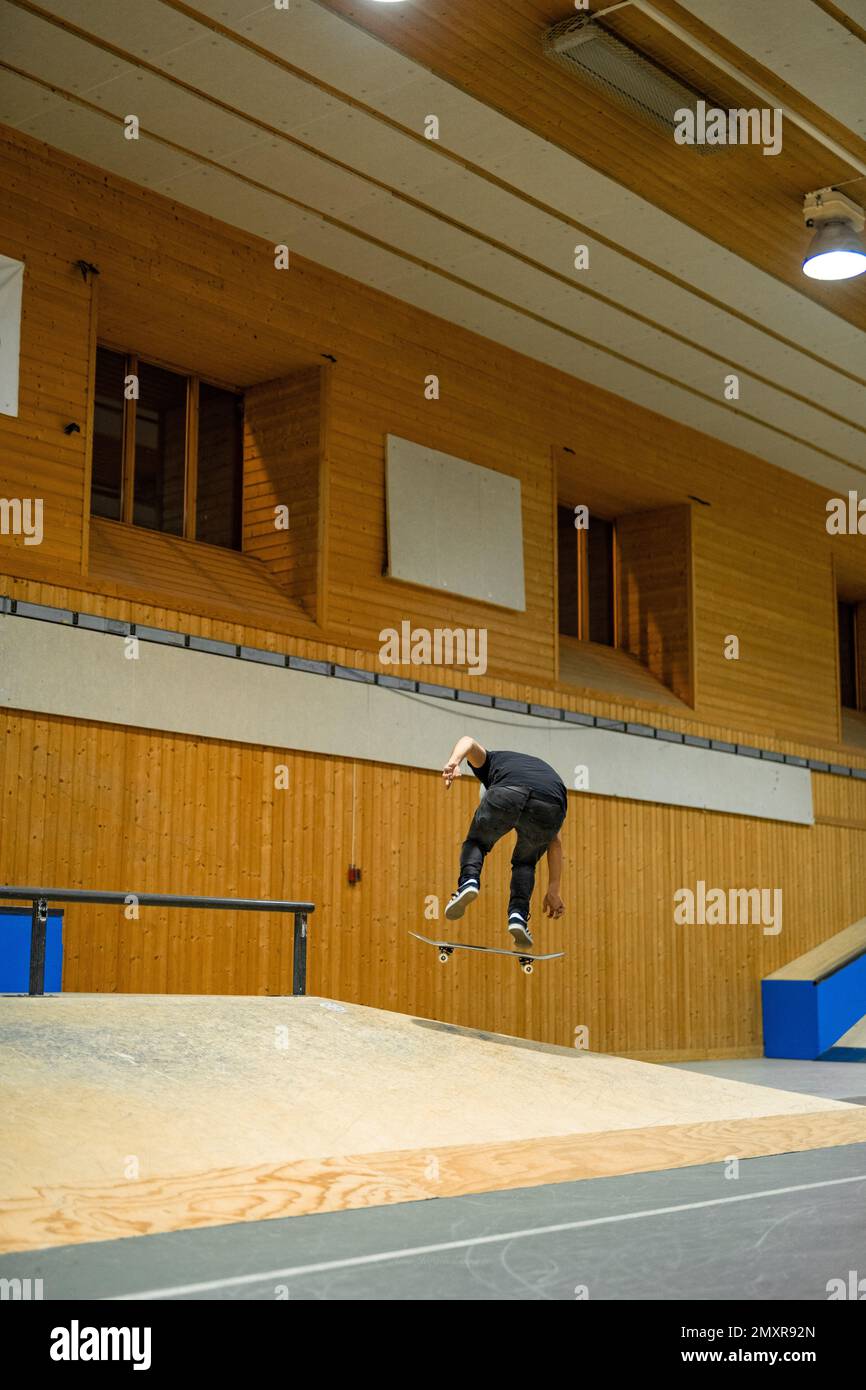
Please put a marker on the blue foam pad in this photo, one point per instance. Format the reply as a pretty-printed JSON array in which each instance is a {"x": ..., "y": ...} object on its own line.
[
  {"x": 804, "y": 1018},
  {"x": 15, "y": 951}
]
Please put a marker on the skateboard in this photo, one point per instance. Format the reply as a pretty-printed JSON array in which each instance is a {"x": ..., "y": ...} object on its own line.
[{"x": 525, "y": 958}]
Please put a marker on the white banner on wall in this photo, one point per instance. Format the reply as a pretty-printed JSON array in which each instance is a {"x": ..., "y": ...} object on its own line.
[
  {"x": 50, "y": 668},
  {"x": 11, "y": 287},
  {"x": 453, "y": 525}
]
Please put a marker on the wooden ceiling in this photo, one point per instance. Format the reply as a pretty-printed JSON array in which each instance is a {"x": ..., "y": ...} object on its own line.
[
  {"x": 749, "y": 203},
  {"x": 305, "y": 127}
]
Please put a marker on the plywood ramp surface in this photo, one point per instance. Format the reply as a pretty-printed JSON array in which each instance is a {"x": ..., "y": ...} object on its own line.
[{"x": 130, "y": 1113}]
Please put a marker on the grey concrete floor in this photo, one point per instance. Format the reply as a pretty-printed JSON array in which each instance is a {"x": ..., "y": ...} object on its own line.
[
  {"x": 782, "y": 1229},
  {"x": 836, "y": 1080}
]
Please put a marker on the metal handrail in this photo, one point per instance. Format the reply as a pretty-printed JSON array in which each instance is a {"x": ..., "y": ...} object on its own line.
[{"x": 41, "y": 897}]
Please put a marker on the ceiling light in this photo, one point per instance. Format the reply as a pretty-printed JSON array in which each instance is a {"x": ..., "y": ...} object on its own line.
[
  {"x": 597, "y": 56},
  {"x": 838, "y": 251}
]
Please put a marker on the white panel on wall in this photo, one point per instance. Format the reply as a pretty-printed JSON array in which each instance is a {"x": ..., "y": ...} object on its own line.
[
  {"x": 453, "y": 525},
  {"x": 67, "y": 671},
  {"x": 11, "y": 287}
]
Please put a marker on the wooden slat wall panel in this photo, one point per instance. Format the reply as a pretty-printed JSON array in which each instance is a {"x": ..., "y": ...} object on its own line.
[
  {"x": 238, "y": 319},
  {"x": 776, "y": 597},
  {"x": 365, "y": 603},
  {"x": 838, "y": 800},
  {"x": 610, "y": 668},
  {"x": 282, "y": 465},
  {"x": 37, "y": 460},
  {"x": 157, "y": 564},
  {"x": 854, "y": 728},
  {"x": 654, "y": 591},
  {"x": 100, "y": 806}
]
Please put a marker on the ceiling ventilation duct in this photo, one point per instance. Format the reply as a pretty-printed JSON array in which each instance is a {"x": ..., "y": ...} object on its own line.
[{"x": 589, "y": 51}]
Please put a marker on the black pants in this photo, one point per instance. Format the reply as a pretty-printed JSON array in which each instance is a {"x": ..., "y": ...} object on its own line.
[{"x": 536, "y": 821}]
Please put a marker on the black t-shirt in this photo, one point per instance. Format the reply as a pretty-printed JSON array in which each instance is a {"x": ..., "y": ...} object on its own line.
[{"x": 504, "y": 769}]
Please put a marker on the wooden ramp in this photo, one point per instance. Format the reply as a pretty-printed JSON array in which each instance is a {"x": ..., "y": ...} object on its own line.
[{"x": 133, "y": 1114}]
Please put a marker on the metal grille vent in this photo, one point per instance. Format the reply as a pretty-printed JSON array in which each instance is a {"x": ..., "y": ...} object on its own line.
[{"x": 588, "y": 51}]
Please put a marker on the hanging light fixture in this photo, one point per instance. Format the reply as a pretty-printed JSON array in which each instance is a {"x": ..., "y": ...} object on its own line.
[{"x": 838, "y": 251}]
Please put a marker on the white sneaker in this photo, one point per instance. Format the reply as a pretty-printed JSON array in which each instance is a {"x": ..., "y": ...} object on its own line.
[
  {"x": 518, "y": 929},
  {"x": 460, "y": 900}
]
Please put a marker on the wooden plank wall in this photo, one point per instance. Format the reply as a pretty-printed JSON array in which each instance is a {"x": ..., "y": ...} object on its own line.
[
  {"x": 488, "y": 427},
  {"x": 282, "y": 466},
  {"x": 37, "y": 459},
  {"x": 134, "y": 810},
  {"x": 227, "y": 583},
  {"x": 654, "y": 551},
  {"x": 218, "y": 303},
  {"x": 99, "y": 806},
  {"x": 768, "y": 583}
]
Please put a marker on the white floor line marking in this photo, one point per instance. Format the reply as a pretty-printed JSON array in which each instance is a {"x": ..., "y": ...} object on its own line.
[{"x": 293, "y": 1271}]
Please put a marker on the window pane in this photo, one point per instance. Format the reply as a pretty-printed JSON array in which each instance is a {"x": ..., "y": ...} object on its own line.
[
  {"x": 599, "y": 545},
  {"x": 848, "y": 655},
  {"x": 567, "y": 571},
  {"x": 220, "y": 460},
  {"x": 106, "y": 484},
  {"x": 160, "y": 445}
]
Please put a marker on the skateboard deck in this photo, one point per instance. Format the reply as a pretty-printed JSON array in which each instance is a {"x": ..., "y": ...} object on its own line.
[{"x": 525, "y": 958}]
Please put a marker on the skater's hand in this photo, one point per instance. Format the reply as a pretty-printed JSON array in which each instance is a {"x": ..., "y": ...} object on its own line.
[
  {"x": 553, "y": 906},
  {"x": 449, "y": 772}
]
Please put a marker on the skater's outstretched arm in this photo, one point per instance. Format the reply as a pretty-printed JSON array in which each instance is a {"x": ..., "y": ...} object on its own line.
[
  {"x": 465, "y": 747},
  {"x": 553, "y": 905}
]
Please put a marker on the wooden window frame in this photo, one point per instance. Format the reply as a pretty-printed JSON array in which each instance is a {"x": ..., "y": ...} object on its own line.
[
  {"x": 191, "y": 438},
  {"x": 583, "y": 616}
]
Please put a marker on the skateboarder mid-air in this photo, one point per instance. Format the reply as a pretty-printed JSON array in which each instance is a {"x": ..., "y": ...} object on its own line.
[{"x": 523, "y": 794}]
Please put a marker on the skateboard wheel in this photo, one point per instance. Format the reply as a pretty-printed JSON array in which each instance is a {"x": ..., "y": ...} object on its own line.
[
  {"x": 527, "y": 969},
  {"x": 443, "y": 956}
]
